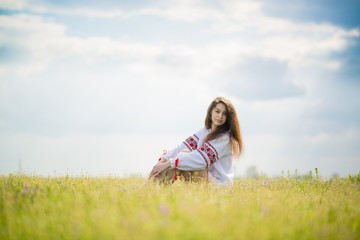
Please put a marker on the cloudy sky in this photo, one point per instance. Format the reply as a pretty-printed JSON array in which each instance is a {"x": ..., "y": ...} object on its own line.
[{"x": 102, "y": 87}]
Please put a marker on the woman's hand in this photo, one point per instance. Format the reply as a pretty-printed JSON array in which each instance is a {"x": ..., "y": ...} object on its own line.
[
  {"x": 162, "y": 160},
  {"x": 159, "y": 168}
]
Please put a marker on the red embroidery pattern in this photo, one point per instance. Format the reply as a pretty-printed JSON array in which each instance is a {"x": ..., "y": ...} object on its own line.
[
  {"x": 203, "y": 156},
  {"x": 191, "y": 142},
  {"x": 208, "y": 153},
  {"x": 214, "y": 149}
]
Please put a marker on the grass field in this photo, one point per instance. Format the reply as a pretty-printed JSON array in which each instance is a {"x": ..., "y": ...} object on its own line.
[{"x": 288, "y": 207}]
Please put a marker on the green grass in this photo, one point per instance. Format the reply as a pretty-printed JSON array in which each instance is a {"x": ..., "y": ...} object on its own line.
[{"x": 33, "y": 207}]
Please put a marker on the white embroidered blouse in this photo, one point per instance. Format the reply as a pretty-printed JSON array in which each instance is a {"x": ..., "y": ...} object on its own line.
[{"x": 216, "y": 155}]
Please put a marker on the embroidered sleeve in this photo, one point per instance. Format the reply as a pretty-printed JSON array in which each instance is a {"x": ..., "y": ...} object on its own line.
[
  {"x": 203, "y": 157},
  {"x": 191, "y": 142},
  {"x": 208, "y": 153}
]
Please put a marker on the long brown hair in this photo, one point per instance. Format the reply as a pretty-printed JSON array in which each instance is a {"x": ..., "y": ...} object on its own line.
[{"x": 231, "y": 125}]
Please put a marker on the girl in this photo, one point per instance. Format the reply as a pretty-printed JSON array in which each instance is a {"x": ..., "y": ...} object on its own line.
[{"x": 209, "y": 152}]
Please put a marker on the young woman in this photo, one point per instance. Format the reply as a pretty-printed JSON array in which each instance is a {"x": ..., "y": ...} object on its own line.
[{"x": 209, "y": 152}]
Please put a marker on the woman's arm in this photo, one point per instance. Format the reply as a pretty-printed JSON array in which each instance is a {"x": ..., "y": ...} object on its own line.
[
  {"x": 206, "y": 155},
  {"x": 189, "y": 144},
  {"x": 159, "y": 168}
]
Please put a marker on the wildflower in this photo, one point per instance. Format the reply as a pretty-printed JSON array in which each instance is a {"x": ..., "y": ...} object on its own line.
[
  {"x": 26, "y": 189},
  {"x": 163, "y": 209},
  {"x": 36, "y": 188}
]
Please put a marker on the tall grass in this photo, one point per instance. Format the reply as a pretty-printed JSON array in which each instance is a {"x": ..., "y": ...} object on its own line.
[{"x": 33, "y": 207}]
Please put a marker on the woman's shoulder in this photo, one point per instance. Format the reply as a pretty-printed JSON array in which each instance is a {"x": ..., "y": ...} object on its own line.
[
  {"x": 222, "y": 143},
  {"x": 222, "y": 138}
]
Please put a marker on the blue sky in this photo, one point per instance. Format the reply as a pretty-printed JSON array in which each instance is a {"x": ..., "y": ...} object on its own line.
[{"x": 103, "y": 88}]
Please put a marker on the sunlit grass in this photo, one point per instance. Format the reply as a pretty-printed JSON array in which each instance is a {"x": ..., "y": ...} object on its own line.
[{"x": 33, "y": 207}]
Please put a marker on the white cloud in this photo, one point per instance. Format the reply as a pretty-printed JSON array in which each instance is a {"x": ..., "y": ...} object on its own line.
[
  {"x": 46, "y": 42},
  {"x": 13, "y": 4},
  {"x": 298, "y": 44},
  {"x": 35, "y": 7}
]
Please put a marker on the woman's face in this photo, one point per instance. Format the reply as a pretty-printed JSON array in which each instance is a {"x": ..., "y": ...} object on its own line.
[{"x": 218, "y": 115}]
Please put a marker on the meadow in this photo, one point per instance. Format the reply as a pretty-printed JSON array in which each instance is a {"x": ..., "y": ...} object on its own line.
[{"x": 82, "y": 207}]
